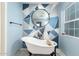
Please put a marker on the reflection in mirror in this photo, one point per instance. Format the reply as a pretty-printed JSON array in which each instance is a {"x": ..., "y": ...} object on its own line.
[{"x": 40, "y": 18}]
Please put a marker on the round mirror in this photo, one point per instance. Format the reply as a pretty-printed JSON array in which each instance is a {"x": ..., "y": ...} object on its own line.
[{"x": 40, "y": 17}]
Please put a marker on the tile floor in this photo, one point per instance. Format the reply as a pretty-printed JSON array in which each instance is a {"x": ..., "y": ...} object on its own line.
[{"x": 24, "y": 52}]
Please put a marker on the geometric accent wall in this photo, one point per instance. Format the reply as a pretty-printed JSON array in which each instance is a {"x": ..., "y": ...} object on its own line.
[{"x": 54, "y": 21}]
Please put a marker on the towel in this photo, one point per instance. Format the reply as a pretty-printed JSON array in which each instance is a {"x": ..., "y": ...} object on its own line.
[
  {"x": 49, "y": 42},
  {"x": 47, "y": 38}
]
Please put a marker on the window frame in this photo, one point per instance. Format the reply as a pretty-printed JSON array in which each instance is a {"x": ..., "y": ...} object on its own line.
[{"x": 66, "y": 21}]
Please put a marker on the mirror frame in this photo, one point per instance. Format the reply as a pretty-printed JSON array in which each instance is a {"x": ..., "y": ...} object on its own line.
[{"x": 33, "y": 21}]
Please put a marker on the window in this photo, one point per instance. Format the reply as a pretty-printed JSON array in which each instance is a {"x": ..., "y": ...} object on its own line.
[{"x": 72, "y": 20}]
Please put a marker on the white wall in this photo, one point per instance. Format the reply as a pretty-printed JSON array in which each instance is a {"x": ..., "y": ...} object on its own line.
[
  {"x": 14, "y": 32},
  {"x": 70, "y": 45}
]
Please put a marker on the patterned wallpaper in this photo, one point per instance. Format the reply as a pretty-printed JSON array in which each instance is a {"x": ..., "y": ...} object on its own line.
[{"x": 54, "y": 21}]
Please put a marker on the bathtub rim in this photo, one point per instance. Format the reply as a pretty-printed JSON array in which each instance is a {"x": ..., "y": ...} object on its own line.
[{"x": 40, "y": 45}]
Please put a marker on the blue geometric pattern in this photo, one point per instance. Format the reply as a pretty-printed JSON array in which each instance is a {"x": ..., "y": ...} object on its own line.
[
  {"x": 25, "y": 6},
  {"x": 27, "y": 19},
  {"x": 45, "y": 5},
  {"x": 28, "y": 31},
  {"x": 54, "y": 21}
]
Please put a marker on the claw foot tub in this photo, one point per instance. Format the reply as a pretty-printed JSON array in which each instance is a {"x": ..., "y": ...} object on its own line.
[{"x": 37, "y": 46}]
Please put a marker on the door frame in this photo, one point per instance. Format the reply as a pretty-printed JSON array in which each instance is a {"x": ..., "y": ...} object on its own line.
[{"x": 3, "y": 29}]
